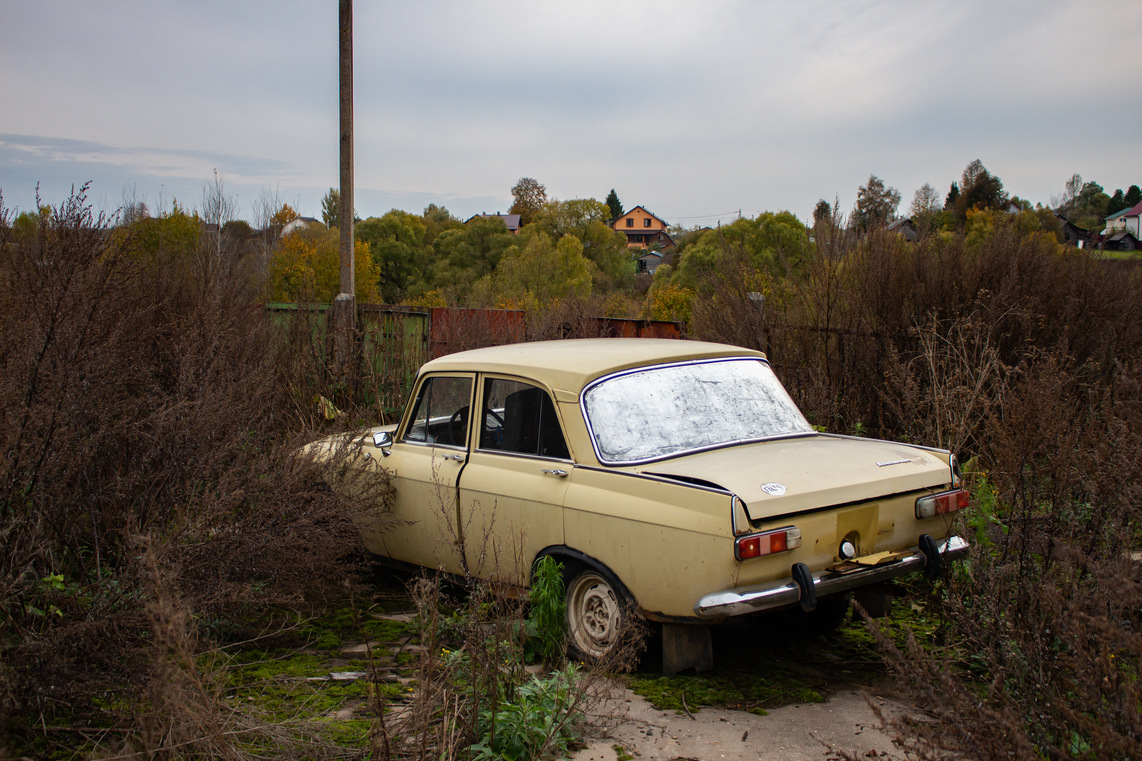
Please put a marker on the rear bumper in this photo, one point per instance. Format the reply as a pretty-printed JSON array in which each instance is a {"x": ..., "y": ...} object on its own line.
[{"x": 786, "y": 592}]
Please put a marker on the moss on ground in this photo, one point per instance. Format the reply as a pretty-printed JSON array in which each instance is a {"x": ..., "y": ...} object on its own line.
[
  {"x": 768, "y": 662},
  {"x": 291, "y": 683},
  {"x": 738, "y": 690}
]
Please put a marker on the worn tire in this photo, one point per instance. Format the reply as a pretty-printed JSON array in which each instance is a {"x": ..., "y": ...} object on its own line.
[{"x": 596, "y": 615}]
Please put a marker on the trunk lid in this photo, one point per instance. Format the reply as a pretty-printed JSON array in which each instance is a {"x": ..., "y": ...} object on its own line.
[{"x": 792, "y": 475}]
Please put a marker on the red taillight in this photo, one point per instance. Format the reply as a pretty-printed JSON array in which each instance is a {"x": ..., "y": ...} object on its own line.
[
  {"x": 767, "y": 543},
  {"x": 939, "y": 504}
]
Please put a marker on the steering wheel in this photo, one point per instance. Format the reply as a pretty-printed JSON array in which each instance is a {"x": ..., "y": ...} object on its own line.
[
  {"x": 458, "y": 426},
  {"x": 494, "y": 416}
]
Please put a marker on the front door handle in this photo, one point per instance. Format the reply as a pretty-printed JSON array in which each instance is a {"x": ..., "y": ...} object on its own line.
[
  {"x": 454, "y": 457},
  {"x": 554, "y": 472}
]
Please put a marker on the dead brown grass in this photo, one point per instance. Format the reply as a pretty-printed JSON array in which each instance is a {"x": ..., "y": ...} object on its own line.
[
  {"x": 1023, "y": 357},
  {"x": 150, "y": 494}
]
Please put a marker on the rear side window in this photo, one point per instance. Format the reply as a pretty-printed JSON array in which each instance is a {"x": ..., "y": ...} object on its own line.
[{"x": 520, "y": 418}]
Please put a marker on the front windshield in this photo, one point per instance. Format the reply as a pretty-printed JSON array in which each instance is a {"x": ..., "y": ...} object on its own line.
[{"x": 663, "y": 411}]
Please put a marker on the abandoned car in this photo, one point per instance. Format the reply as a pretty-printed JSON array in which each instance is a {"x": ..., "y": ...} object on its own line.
[{"x": 674, "y": 480}]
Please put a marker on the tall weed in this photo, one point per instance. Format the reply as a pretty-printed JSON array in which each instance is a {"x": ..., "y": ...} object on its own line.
[
  {"x": 1023, "y": 357},
  {"x": 145, "y": 403}
]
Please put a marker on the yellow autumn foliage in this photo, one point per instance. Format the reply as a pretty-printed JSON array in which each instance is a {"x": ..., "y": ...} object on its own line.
[{"x": 306, "y": 267}]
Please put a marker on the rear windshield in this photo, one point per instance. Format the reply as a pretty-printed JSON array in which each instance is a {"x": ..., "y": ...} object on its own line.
[{"x": 665, "y": 411}]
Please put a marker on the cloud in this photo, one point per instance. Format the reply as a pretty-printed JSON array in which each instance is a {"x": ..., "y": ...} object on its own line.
[{"x": 688, "y": 108}]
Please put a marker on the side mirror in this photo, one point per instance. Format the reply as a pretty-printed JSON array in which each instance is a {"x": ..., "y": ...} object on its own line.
[{"x": 383, "y": 440}]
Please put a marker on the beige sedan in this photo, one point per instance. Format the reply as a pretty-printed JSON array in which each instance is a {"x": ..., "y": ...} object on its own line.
[{"x": 673, "y": 480}]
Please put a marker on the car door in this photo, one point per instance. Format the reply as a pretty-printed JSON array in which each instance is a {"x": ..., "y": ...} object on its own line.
[
  {"x": 426, "y": 461},
  {"x": 511, "y": 490}
]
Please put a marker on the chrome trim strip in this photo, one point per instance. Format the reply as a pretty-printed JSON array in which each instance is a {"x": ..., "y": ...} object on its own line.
[
  {"x": 783, "y": 593},
  {"x": 654, "y": 477},
  {"x": 933, "y": 450}
]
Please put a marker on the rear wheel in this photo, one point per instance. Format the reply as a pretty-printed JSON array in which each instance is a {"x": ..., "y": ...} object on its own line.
[
  {"x": 830, "y": 614},
  {"x": 595, "y": 614}
]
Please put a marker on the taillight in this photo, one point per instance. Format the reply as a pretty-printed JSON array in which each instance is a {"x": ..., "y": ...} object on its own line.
[
  {"x": 767, "y": 543},
  {"x": 938, "y": 504}
]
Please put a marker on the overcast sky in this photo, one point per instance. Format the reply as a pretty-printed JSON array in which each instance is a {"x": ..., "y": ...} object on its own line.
[{"x": 695, "y": 109}]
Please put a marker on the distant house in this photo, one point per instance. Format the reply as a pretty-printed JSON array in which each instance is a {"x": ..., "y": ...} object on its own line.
[
  {"x": 300, "y": 223},
  {"x": 905, "y": 228},
  {"x": 1123, "y": 240},
  {"x": 1128, "y": 220},
  {"x": 511, "y": 221},
  {"x": 643, "y": 229},
  {"x": 649, "y": 262},
  {"x": 1073, "y": 235}
]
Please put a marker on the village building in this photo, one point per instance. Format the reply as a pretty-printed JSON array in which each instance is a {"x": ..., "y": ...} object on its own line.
[
  {"x": 643, "y": 229},
  {"x": 511, "y": 221}
]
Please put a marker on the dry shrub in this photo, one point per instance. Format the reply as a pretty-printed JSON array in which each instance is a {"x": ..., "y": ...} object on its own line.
[
  {"x": 142, "y": 398},
  {"x": 1025, "y": 358},
  {"x": 369, "y": 389},
  {"x": 472, "y": 667},
  {"x": 1051, "y": 606},
  {"x": 729, "y": 314},
  {"x": 455, "y": 329},
  {"x": 954, "y": 380},
  {"x": 567, "y": 318}
]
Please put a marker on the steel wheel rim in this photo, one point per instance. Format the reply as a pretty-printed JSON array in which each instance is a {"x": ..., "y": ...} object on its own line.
[{"x": 593, "y": 614}]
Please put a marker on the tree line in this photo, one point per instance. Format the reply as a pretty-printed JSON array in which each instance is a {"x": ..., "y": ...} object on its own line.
[{"x": 564, "y": 248}]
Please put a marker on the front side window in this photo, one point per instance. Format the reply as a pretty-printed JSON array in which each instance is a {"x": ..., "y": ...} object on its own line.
[
  {"x": 664, "y": 411},
  {"x": 520, "y": 418},
  {"x": 441, "y": 413}
]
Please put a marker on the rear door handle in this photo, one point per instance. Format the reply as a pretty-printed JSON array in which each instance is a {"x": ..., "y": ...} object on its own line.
[{"x": 554, "y": 472}]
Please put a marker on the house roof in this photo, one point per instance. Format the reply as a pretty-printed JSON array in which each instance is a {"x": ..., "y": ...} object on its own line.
[
  {"x": 1068, "y": 223},
  {"x": 1133, "y": 211},
  {"x": 645, "y": 211},
  {"x": 904, "y": 227},
  {"x": 299, "y": 222},
  {"x": 511, "y": 221}
]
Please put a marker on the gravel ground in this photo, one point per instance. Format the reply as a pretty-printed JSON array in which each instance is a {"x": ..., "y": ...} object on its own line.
[{"x": 801, "y": 732}]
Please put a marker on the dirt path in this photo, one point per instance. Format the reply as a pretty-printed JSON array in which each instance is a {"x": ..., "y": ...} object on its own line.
[{"x": 801, "y": 732}]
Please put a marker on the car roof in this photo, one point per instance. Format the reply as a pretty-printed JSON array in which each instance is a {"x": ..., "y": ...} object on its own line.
[{"x": 573, "y": 363}]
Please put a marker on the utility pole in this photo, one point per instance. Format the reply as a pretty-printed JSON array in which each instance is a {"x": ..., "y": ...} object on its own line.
[{"x": 344, "y": 308}]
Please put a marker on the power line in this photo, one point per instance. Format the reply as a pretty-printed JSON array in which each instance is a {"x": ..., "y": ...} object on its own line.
[{"x": 730, "y": 213}]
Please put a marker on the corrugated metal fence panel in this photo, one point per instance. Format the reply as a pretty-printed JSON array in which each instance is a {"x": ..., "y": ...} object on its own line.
[
  {"x": 285, "y": 317},
  {"x": 394, "y": 346},
  {"x": 455, "y": 329},
  {"x": 396, "y": 341},
  {"x": 617, "y": 327}
]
